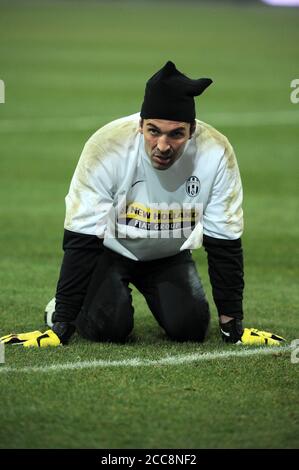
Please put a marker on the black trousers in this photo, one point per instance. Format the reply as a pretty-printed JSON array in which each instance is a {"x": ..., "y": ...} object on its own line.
[{"x": 171, "y": 287}]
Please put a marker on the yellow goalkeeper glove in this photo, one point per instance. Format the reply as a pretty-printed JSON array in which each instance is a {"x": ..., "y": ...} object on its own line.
[
  {"x": 252, "y": 336},
  {"x": 233, "y": 332},
  {"x": 35, "y": 339}
]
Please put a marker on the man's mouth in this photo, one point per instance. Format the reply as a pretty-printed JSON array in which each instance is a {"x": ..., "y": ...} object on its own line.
[{"x": 161, "y": 159}]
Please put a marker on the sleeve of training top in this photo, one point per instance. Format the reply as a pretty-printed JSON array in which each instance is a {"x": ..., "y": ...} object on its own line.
[
  {"x": 89, "y": 202},
  {"x": 81, "y": 253},
  {"x": 225, "y": 261},
  {"x": 223, "y": 227},
  {"x": 223, "y": 215},
  {"x": 88, "y": 205}
]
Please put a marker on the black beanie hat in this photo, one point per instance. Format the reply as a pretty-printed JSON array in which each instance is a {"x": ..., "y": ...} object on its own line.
[{"x": 169, "y": 95}]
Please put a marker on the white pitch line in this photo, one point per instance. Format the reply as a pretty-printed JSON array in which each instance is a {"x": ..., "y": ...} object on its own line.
[
  {"x": 233, "y": 119},
  {"x": 137, "y": 362}
]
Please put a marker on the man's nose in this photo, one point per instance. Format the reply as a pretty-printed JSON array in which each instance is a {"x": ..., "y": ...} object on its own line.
[{"x": 163, "y": 144}]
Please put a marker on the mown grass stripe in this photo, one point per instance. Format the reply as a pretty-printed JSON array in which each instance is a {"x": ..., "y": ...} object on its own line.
[
  {"x": 234, "y": 119},
  {"x": 137, "y": 362}
]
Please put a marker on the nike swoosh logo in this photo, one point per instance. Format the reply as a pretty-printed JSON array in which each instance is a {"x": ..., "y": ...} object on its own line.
[
  {"x": 224, "y": 332},
  {"x": 139, "y": 181}
]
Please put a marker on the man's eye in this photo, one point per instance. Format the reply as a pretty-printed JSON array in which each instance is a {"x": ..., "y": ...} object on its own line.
[
  {"x": 153, "y": 131},
  {"x": 177, "y": 134}
]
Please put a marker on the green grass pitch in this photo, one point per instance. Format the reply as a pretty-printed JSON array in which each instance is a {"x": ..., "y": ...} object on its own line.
[{"x": 69, "y": 67}]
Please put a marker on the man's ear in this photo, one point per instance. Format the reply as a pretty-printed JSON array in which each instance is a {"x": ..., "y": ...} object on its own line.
[{"x": 141, "y": 126}]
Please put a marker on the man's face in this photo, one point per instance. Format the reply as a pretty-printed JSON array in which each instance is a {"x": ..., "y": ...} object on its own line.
[{"x": 164, "y": 141}]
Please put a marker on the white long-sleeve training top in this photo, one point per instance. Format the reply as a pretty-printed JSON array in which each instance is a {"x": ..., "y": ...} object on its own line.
[{"x": 143, "y": 213}]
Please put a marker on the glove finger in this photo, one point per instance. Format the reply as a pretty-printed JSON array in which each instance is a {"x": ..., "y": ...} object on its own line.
[
  {"x": 273, "y": 341},
  {"x": 30, "y": 335},
  {"x": 49, "y": 338},
  {"x": 252, "y": 336},
  {"x": 20, "y": 338},
  {"x": 6, "y": 338},
  {"x": 11, "y": 339},
  {"x": 267, "y": 334},
  {"x": 277, "y": 338}
]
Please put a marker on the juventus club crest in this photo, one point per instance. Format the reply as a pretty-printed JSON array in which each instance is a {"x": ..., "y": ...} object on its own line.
[{"x": 192, "y": 186}]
